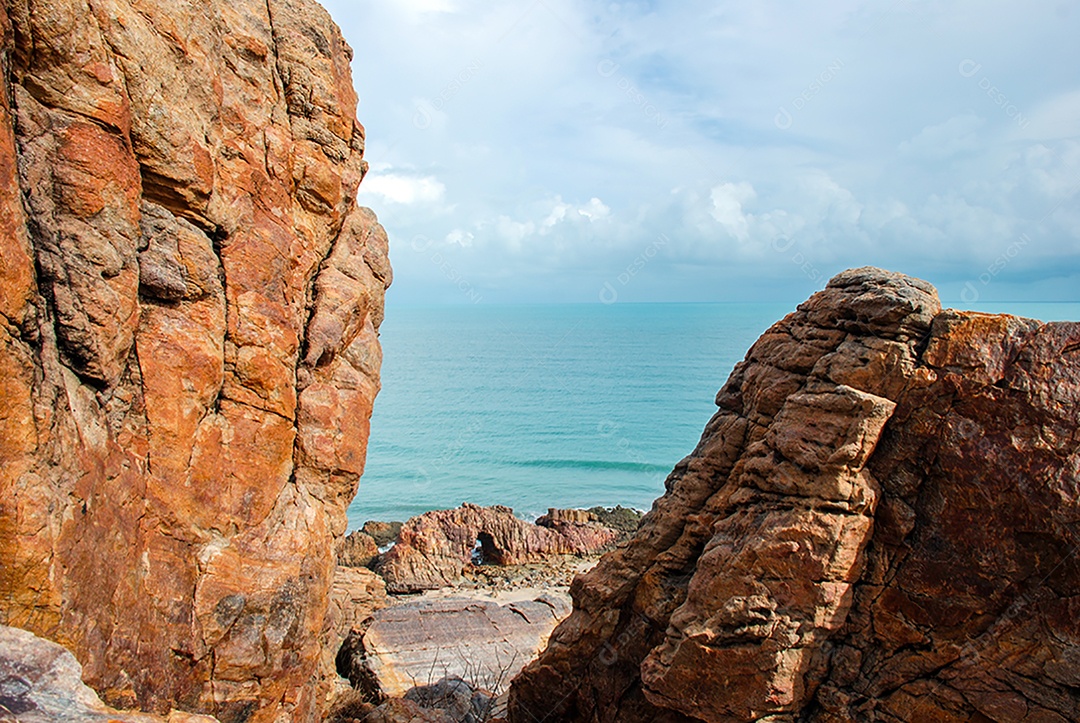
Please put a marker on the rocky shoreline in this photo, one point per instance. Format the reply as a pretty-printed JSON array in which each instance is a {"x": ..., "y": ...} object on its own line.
[
  {"x": 423, "y": 651},
  {"x": 878, "y": 524},
  {"x": 506, "y": 552}
]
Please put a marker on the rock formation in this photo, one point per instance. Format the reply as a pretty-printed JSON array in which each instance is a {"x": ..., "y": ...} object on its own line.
[
  {"x": 557, "y": 516},
  {"x": 433, "y": 548},
  {"x": 623, "y": 519},
  {"x": 383, "y": 533},
  {"x": 358, "y": 549},
  {"x": 459, "y": 699},
  {"x": 189, "y": 300},
  {"x": 356, "y": 595},
  {"x": 879, "y": 524}
]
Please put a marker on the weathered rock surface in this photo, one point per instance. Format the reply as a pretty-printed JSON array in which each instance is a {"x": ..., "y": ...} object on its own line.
[
  {"x": 382, "y": 532},
  {"x": 433, "y": 548},
  {"x": 189, "y": 300},
  {"x": 623, "y": 519},
  {"x": 41, "y": 682},
  {"x": 556, "y": 516},
  {"x": 879, "y": 524},
  {"x": 358, "y": 549},
  {"x": 417, "y": 643},
  {"x": 395, "y": 710},
  {"x": 356, "y": 595}
]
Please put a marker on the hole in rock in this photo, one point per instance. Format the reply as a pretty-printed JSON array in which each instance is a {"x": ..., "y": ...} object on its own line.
[{"x": 485, "y": 552}]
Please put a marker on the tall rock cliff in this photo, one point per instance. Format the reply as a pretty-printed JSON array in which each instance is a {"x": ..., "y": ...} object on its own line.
[
  {"x": 881, "y": 523},
  {"x": 189, "y": 305}
]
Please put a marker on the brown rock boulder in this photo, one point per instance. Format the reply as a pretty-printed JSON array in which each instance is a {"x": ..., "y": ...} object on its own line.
[
  {"x": 358, "y": 549},
  {"x": 382, "y": 532},
  {"x": 188, "y": 332},
  {"x": 433, "y": 548},
  {"x": 877, "y": 525},
  {"x": 355, "y": 596},
  {"x": 557, "y": 516}
]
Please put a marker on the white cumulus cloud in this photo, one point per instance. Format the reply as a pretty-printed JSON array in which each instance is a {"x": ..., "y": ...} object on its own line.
[{"x": 402, "y": 188}]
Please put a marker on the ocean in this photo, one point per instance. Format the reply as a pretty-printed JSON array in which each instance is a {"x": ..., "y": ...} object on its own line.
[{"x": 561, "y": 405}]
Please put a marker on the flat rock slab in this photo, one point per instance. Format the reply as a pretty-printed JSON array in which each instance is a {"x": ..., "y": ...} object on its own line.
[{"x": 483, "y": 642}]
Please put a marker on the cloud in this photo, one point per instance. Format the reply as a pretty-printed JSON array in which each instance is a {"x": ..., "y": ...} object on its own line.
[
  {"x": 510, "y": 232},
  {"x": 959, "y": 134},
  {"x": 402, "y": 188},
  {"x": 549, "y": 143},
  {"x": 592, "y": 211},
  {"x": 727, "y": 207},
  {"x": 1057, "y": 117},
  {"x": 461, "y": 238}
]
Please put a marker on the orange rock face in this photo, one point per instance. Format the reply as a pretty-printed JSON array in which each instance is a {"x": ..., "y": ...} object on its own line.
[
  {"x": 189, "y": 306},
  {"x": 879, "y": 524}
]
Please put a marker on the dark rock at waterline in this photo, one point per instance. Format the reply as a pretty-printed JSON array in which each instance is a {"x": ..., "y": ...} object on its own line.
[
  {"x": 623, "y": 519},
  {"x": 383, "y": 533},
  {"x": 358, "y": 549}
]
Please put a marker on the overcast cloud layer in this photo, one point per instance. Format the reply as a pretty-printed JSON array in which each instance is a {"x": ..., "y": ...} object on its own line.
[{"x": 550, "y": 150}]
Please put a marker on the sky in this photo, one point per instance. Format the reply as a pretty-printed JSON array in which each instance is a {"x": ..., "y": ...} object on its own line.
[{"x": 576, "y": 151}]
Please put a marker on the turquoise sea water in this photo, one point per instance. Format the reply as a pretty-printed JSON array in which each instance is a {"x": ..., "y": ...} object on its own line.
[{"x": 553, "y": 405}]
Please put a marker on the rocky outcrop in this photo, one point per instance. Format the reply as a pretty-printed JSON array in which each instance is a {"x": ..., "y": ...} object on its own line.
[
  {"x": 879, "y": 524},
  {"x": 40, "y": 682},
  {"x": 622, "y": 519},
  {"x": 189, "y": 300},
  {"x": 556, "y": 516},
  {"x": 356, "y": 595},
  {"x": 433, "y": 548},
  {"x": 417, "y": 643},
  {"x": 358, "y": 549},
  {"x": 383, "y": 533}
]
